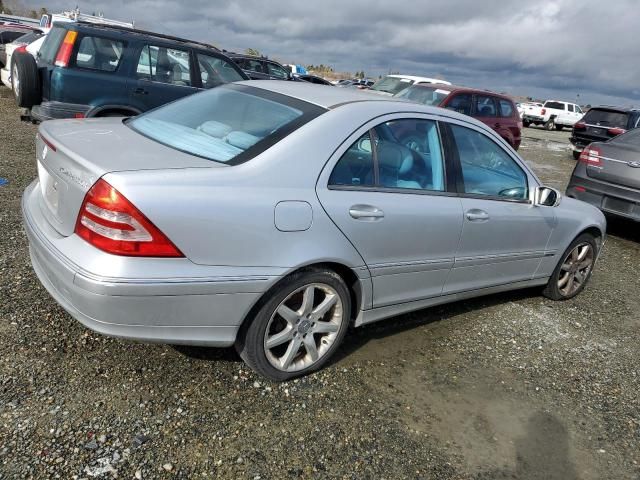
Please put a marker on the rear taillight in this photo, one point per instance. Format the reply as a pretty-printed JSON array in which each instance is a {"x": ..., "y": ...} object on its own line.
[
  {"x": 64, "y": 52},
  {"x": 543, "y": 111},
  {"x": 616, "y": 131},
  {"x": 108, "y": 221},
  {"x": 591, "y": 156},
  {"x": 580, "y": 126}
]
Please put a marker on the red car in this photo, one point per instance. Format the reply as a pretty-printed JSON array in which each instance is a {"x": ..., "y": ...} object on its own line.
[{"x": 495, "y": 110}]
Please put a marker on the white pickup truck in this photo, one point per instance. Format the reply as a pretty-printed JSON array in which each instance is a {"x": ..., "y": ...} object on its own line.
[{"x": 553, "y": 114}]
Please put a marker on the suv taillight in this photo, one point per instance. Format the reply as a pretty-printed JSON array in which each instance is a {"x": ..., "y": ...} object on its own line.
[
  {"x": 108, "y": 221},
  {"x": 66, "y": 47},
  {"x": 616, "y": 131},
  {"x": 580, "y": 126},
  {"x": 591, "y": 156},
  {"x": 543, "y": 111}
]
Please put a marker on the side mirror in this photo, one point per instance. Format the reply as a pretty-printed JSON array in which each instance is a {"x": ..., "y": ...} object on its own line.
[{"x": 547, "y": 197}]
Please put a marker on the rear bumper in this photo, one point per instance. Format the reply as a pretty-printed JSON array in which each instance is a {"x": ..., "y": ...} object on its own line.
[
  {"x": 195, "y": 311},
  {"x": 58, "y": 110},
  {"x": 533, "y": 118},
  {"x": 611, "y": 199}
]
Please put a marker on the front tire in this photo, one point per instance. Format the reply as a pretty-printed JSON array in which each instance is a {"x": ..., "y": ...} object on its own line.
[
  {"x": 574, "y": 269},
  {"x": 299, "y": 327},
  {"x": 526, "y": 123},
  {"x": 558, "y": 127}
]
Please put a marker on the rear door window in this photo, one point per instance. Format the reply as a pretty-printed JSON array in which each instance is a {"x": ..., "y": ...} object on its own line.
[
  {"x": 486, "y": 106},
  {"x": 164, "y": 65},
  {"x": 506, "y": 108},
  {"x": 355, "y": 167},
  {"x": 50, "y": 45},
  {"x": 606, "y": 118},
  {"x": 97, "y": 53},
  {"x": 570, "y": 107}
]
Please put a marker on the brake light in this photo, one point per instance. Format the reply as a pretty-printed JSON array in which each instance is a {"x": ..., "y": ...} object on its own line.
[
  {"x": 580, "y": 189},
  {"x": 108, "y": 221},
  {"x": 616, "y": 131},
  {"x": 580, "y": 126},
  {"x": 51, "y": 146},
  {"x": 591, "y": 156},
  {"x": 64, "y": 52},
  {"x": 543, "y": 111}
]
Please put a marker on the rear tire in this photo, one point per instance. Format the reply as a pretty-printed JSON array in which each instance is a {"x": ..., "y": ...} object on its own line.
[
  {"x": 526, "y": 123},
  {"x": 576, "y": 155},
  {"x": 574, "y": 270},
  {"x": 550, "y": 124},
  {"x": 290, "y": 323},
  {"x": 25, "y": 81}
]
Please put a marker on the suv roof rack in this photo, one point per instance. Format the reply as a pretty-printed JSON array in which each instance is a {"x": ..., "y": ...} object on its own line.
[
  {"x": 16, "y": 20},
  {"x": 151, "y": 34}
]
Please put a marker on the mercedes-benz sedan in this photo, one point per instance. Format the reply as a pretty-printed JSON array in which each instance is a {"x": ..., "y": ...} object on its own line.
[{"x": 272, "y": 215}]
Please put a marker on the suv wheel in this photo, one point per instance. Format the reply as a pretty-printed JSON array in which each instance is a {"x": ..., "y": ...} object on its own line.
[
  {"x": 25, "y": 81},
  {"x": 551, "y": 123}
]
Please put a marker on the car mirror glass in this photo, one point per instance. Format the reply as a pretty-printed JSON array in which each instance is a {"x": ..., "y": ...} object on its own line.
[{"x": 547, "y": 197}]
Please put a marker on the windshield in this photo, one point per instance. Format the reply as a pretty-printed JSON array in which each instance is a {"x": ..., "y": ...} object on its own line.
[
  {"x": 425, "y": 95},
  {"x": 227, "y": 124},
  {"x": 392, "y": 85}
]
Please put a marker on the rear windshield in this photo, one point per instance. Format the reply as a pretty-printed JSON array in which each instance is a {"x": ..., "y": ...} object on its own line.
[
  {"x": 228, "y": 124},
  {"x": 424, "y": 95},
  {"x": 49, "y": 48},
  {"x": 606, "y": 118},
  {"x": 392, "y": 85}
]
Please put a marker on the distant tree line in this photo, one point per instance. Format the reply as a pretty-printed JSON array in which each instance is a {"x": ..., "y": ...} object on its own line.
[{"x": 14, "y": 7}]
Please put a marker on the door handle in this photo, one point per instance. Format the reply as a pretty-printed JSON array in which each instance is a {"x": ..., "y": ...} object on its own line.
[
  {"x": 365, "y": 212},
  {"x": 140, "y": 91},
  {"x": 476, "y": 215}
]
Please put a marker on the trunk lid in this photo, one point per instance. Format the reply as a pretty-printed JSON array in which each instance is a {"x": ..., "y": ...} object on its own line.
[
  {"x": 73, "y": 154},
  {"x": 620, "y": 165}
]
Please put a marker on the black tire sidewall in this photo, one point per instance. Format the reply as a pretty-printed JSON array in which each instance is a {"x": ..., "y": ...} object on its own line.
[
  {"x": 29, "y": 94},
  {"x": 250, "y": 343},
  {"x": 552, "y": 291}
]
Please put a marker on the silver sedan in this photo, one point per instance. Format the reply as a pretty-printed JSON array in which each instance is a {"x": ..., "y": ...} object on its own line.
[{"x": 272, "y": 215}]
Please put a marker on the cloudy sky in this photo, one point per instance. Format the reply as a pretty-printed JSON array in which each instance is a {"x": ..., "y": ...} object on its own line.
[{"x": 543, "y": 48}]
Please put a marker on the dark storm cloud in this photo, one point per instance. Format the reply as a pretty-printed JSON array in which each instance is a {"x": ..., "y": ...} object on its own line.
[{"x": 553, "y": 48}]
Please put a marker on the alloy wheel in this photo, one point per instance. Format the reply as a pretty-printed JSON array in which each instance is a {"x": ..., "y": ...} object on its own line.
[
  {"x": 303, "y": 327},
  {"x": 575, "y": 269}
]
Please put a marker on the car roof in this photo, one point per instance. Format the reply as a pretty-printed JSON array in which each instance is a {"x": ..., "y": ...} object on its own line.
[
  {"x": 614, "y": 109},
  {"x": 420, "y": 79},
  {"x": 458, "y": 89},
  {"x": 246, "y": 55},
  {"x": 90, "y": 26}
]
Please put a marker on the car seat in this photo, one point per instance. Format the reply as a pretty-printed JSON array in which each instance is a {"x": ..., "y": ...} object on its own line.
[{"x": 396, "y": 161}]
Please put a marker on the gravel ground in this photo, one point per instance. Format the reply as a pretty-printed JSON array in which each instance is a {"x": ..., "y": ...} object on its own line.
[{"x": 507, "y": 386}]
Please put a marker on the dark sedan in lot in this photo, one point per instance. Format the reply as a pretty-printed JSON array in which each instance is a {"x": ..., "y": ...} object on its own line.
[{"x": 608, "y": 176}]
